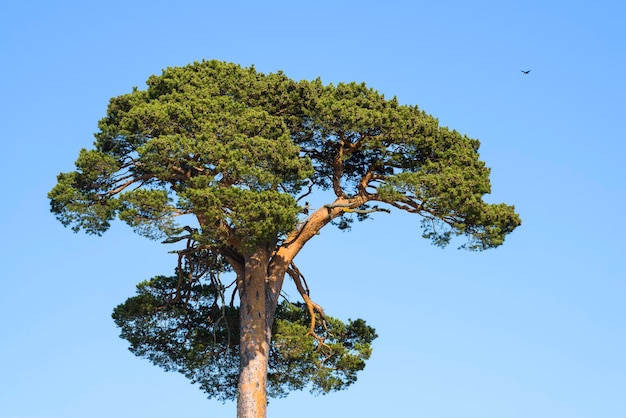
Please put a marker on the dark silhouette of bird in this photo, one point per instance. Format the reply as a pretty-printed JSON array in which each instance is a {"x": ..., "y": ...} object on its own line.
[{"x": 525, "y": 72}]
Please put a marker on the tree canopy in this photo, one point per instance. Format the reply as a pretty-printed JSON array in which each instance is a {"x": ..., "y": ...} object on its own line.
[
  {"x": 235, "y": 147},
  {"x": 224, "y": 158},
  {"x": 187, "y": 326}
]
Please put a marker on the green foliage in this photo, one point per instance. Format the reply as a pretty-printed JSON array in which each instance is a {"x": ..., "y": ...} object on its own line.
[
  {"x": 331, "y": 365},
  {"x": 183, "y": 326},
  {"x": 147, "y": 211},
  {"x": 411, "y": 162},
  {"x": 190, "y": 144},
  {"x": 234, "y": 147},
  {"x": 253, "y": 216}
]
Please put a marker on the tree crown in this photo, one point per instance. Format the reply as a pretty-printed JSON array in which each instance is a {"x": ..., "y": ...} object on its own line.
[{"x": 237, "y": 148}]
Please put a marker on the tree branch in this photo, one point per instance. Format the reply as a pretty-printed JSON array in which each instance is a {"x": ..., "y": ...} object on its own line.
[
  {"x": 123, "y": 186},
  {"x": 349, "y": 208},
  {"x": 308, "y": 192},
  {"x": 312, "y": 307}
]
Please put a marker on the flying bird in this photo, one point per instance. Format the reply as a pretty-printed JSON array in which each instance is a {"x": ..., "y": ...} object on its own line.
[{"x": 525, "y": 72}]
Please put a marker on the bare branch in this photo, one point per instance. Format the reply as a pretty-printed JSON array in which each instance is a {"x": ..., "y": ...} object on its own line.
[
  {"x": 309, "y": 191},
  {"x": 312, "y": 307},
  {"x": 349, "y": 208}
]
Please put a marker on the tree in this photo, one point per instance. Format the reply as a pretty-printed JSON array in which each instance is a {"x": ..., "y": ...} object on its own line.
[{"x": 224, "y": 156}]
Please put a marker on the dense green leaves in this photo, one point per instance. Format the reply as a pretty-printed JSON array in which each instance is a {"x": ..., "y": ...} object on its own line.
[
  {"x": 300, "y": 359},
  {"x": 189, "y": 144},
  {"x": 148, "y": 212},
  {"x": 184, "y": 326},
  {"x": 231, "y": 146}
]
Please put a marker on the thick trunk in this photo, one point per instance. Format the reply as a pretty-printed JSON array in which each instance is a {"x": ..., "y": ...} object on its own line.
[
  {"x": 256, "y": 315},
  {"x": 259, "y": 285}
]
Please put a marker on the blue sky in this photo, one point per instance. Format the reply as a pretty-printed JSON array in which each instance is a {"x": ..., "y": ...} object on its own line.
[{"x": 535, "y": 328}]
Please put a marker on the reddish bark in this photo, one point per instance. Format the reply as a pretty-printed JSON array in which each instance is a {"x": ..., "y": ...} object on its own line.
[
  {"x": 255, "y": 338},
  {"x": 259, "y": 283}
]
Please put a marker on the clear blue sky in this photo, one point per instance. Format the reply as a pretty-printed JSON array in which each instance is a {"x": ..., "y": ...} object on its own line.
[{"x": 535, "y": 328}]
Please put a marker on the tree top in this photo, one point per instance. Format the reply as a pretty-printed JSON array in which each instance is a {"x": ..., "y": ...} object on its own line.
[{"x": 239, "y": 150}]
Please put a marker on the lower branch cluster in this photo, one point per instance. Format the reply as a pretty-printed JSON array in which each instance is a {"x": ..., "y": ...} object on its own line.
[{"x": 199, "y": 337}]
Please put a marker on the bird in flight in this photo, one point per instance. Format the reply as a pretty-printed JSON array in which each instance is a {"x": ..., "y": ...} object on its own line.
[{"x": 525, "y": 72}]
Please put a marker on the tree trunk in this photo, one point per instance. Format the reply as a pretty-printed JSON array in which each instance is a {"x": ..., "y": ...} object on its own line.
[
  {"x": 259, "y": 287},
  {"x": 256, "y": 314}
]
